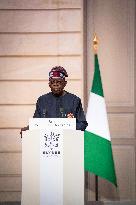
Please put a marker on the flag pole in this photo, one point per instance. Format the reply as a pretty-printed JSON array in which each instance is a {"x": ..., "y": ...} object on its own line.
[
  {"x": 96, "y": 188},
  {"x": 95, "y": 48}
]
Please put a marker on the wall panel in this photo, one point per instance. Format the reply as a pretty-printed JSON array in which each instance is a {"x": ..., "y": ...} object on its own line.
[
  {"x": 27, "y": 92},
  {"x": 125, "y": 168},
  {"x": 10, "y": 163},
  {"x": 114, "y": 24},
  {"x": 45, "y": 44},
  {"x": 37, "y": 21},
  {"x": 40, "y": 4},
  {"x": 122, "y": 125},
  {"x": 10, "y": 183},
  {"x": 36, "y": 68},
  {"x": 15, "y": 116},
  {"x": 10, "y": 196},
  {"x": 10, "y": 140}
]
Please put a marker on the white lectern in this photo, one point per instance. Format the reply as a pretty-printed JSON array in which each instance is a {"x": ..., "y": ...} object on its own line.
[{"x": 53, "y": 165}]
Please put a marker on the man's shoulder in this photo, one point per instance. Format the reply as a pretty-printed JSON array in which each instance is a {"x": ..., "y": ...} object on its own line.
[
  {"x": 42, "y": 97},
  {"x": 71, "y": 95}
]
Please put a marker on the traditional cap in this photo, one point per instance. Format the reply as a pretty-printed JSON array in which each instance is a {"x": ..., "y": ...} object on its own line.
[{"x": 58, "y": 72}]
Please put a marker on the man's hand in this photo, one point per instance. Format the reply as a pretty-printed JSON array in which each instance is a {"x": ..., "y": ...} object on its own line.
[
  {"x": 70, "y": 115},
  {"x": 24, "y": 129}
]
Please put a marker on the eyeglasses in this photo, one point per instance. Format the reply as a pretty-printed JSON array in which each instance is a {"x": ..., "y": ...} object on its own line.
[{"x": 54, "y": 81}]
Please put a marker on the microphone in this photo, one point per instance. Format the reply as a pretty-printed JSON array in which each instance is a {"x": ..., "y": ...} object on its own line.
[
  {"x": 44, "y": 113},
  {"x": 62, "y": 112}
]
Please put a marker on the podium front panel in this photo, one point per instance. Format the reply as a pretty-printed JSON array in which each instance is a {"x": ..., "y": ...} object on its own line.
[
  {"x": 73, "y": 167},
  {"x": 30, "y": 168},
  {"x": 53, "y": 167}
]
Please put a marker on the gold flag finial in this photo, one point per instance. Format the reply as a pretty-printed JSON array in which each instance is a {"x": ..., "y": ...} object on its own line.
[{"x": 95, "y": 43}]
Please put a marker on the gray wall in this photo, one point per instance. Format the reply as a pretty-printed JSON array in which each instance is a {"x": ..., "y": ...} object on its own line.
[{"x": 114, "y": 23}]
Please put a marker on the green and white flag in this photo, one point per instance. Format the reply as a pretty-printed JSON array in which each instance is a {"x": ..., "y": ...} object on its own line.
[{"x": 98, "y": 150}]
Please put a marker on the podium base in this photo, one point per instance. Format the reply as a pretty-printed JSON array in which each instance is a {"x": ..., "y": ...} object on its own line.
[
  {"x": 11, "y": 203},
  {"x": 111, "y": 203},
  {"x": 94, "y": 203},
  {"x": 87, "y": 203}
]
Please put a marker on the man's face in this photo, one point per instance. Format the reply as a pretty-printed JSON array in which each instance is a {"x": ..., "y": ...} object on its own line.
[{"x": 57, "y": 85}]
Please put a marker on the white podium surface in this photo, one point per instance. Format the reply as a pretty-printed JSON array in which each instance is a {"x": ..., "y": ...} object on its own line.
[
  {"x": 52, "y": 167},
  {"x": 52, "y": 123}
]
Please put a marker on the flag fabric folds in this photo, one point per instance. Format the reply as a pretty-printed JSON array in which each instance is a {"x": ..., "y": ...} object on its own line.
[{"x": 98, "y": 156}]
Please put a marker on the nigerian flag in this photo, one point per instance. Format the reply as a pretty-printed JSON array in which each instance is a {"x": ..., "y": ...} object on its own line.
[{"x": 98, "y": 150}]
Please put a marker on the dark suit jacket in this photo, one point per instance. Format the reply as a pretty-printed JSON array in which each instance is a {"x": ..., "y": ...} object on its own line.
[{"x": 50, "y": 106}]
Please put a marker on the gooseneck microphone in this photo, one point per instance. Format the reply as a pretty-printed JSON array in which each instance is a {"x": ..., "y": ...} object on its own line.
[
  {"x": 44, "y": 113},
  {"x": 62, "y": 112}
]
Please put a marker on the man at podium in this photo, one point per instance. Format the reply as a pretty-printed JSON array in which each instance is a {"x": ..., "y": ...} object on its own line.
[{"x": 59, "y": 103}]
